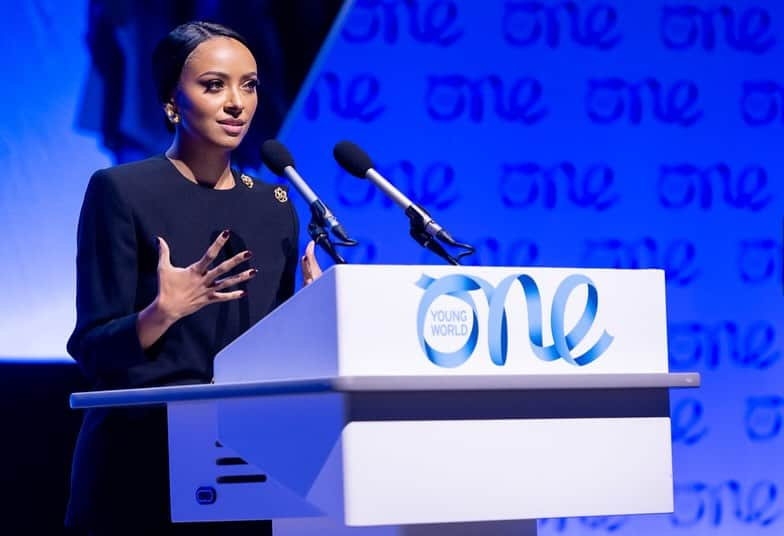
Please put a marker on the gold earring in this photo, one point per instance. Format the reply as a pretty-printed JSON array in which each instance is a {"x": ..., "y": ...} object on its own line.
[{"x": 174, "y": 118}]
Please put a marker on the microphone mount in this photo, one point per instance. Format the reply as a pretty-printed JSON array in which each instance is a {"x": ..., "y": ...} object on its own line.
[
  {"x": 317, "y": 229},
  {"x": 420, "y": 230}
]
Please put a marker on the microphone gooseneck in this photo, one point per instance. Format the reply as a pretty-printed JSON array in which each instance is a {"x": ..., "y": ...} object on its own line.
[
  {"x": 424, "y": 229},
  {"x": 278, "y": 159}
]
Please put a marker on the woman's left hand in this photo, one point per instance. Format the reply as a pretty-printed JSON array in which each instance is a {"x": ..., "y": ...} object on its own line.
[{"x": 310, "y": 266}]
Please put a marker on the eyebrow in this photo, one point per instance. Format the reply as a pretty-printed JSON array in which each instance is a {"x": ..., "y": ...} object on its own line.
[{"x": 224, "y": 75}]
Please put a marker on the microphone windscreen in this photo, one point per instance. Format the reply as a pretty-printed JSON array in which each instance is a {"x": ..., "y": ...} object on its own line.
[
  {"x": 352, "y": 158},
  {"x": 276, "y": 157}
]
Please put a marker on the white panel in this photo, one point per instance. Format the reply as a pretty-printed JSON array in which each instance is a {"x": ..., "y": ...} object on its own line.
[
  {"x": 434, "y": 471},
  {"x": 378, "y": 321},
  {"x": 296, "y": 340},
  {"x": 362, "y": 321}
]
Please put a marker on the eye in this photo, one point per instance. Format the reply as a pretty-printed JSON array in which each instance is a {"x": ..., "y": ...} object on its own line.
[
  {"x": 213, "y": 85},
  {"x": 251, "y": 85}
]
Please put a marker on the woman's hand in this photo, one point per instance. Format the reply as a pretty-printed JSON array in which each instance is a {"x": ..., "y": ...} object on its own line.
[
  {"x": 310, "y": 266},
  {"x": 183, "y": 291}
]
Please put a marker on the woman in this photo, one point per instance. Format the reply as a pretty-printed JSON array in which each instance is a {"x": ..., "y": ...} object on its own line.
[{"x": 164, "y": 275}]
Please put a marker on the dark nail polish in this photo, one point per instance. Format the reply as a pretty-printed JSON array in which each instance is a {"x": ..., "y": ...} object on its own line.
[
  {"x": 244, "y": 293},
  {"x": 253, "y": 272},
  {"x": 247, "y": 255},
  {"x": 225, "y": 234}
]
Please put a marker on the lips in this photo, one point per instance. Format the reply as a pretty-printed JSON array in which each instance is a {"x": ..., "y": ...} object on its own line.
[{"x": 232, "y": 127}]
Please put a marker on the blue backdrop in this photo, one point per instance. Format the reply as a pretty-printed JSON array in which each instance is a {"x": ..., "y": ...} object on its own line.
[
  {"x": 592, "y": 134},
  {"x": 553, "y": 133}
]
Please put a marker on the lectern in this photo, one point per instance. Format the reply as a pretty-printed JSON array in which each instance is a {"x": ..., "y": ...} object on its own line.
[{"x": 413, "y": 400}]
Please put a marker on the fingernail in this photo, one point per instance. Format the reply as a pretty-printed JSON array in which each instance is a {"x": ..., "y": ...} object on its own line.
[
  {"x": 247, "y": 255},
  {"x": 225, "y": 234},
  {"x": 253, "y": 272},
  {"x": 244, "y": 293}
]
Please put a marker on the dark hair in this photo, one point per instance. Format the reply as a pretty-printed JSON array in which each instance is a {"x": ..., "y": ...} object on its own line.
[{"x": 172, "y": 51}]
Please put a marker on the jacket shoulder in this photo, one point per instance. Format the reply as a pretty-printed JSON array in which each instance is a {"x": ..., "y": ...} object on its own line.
[{"x": 131, "y": 172}]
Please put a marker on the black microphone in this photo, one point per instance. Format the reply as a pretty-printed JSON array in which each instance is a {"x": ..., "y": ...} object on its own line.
[
  {"x": 424, "y": 228},
  {"x": 353, "y": 159},
  {"x": 278, "y": 159}
]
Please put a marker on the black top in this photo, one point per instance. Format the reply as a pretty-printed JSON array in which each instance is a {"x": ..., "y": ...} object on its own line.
[
  {"x": 119, "y": 480},
  {"x": 124, "y": 208}
]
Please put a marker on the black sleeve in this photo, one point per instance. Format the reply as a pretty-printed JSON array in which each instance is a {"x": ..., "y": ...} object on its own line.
[
  {"x": 105, "y": 337},
  {"x": 288, "y": 280}
]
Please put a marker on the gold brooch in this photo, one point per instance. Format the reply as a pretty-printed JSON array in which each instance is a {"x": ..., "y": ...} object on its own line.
[
  {"x": 247, "y": 180},
  {"x": 281, "y": 195}
]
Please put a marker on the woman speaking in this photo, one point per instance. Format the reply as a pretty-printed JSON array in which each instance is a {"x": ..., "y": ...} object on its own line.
[{"x": 177, "y": 256}]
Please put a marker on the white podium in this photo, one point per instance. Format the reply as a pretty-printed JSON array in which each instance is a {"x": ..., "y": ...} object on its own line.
[{"x": 431, "y": 400}]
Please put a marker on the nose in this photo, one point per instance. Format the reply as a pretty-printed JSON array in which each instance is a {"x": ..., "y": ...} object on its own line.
[{"x": 233, "y": 104}]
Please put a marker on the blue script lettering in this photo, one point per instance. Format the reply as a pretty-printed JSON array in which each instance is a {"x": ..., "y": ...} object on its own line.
[
  {"x": 763, "y": 417},
  {"x": 687, "y": 422},
  {"x": 355, "y": 99},
  {"x": 527, "y": 23},
  {"x": 491, "y": 252},
  {"x": 523, "y": 185},
  {"x": 452, "y": 97},
  {"x": 759, "y": 261},
  {"x": 677, "y": 258},
  {"x": 762, "y": 102},
  {"x": 694, "y": 344},
  {"x": 459, "y": 286},
  {"x": 686, "y": 185},
  {"x": 688, "y": 26},
  {"x": 597, "y": 523},
  {"x": 611, "y": 100},
  {"x": 699, "y": 503},
  {"x": 429, "y": 22}
]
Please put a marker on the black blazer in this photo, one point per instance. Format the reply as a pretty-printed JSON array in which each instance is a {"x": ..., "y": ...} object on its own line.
[{"x": 120, "y": 469}]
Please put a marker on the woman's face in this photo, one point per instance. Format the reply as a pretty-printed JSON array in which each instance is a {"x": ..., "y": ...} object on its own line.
[{"x": 216, "y": 96}]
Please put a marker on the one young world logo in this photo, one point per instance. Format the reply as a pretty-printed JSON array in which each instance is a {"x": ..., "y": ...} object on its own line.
[{"x": 448, "y": 324}]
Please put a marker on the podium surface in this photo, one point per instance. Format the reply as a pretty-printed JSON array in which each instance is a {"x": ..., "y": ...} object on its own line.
[{"x": 420, "y": 400}]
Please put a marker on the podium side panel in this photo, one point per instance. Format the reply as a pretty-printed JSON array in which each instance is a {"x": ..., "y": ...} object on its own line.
[
  {"x": 209, "y": 481},
  {"x": 296, "y": 340},
  {"x": 289, "y": 436}
]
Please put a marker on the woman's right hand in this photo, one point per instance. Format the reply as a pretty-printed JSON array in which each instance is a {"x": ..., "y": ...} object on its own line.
[{"x": 183, "y": 291}]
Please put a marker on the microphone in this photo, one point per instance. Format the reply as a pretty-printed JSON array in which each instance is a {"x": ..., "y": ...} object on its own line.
[
  {"x": 278, "y": 159},
  {"x": 423, "y": 227}
]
